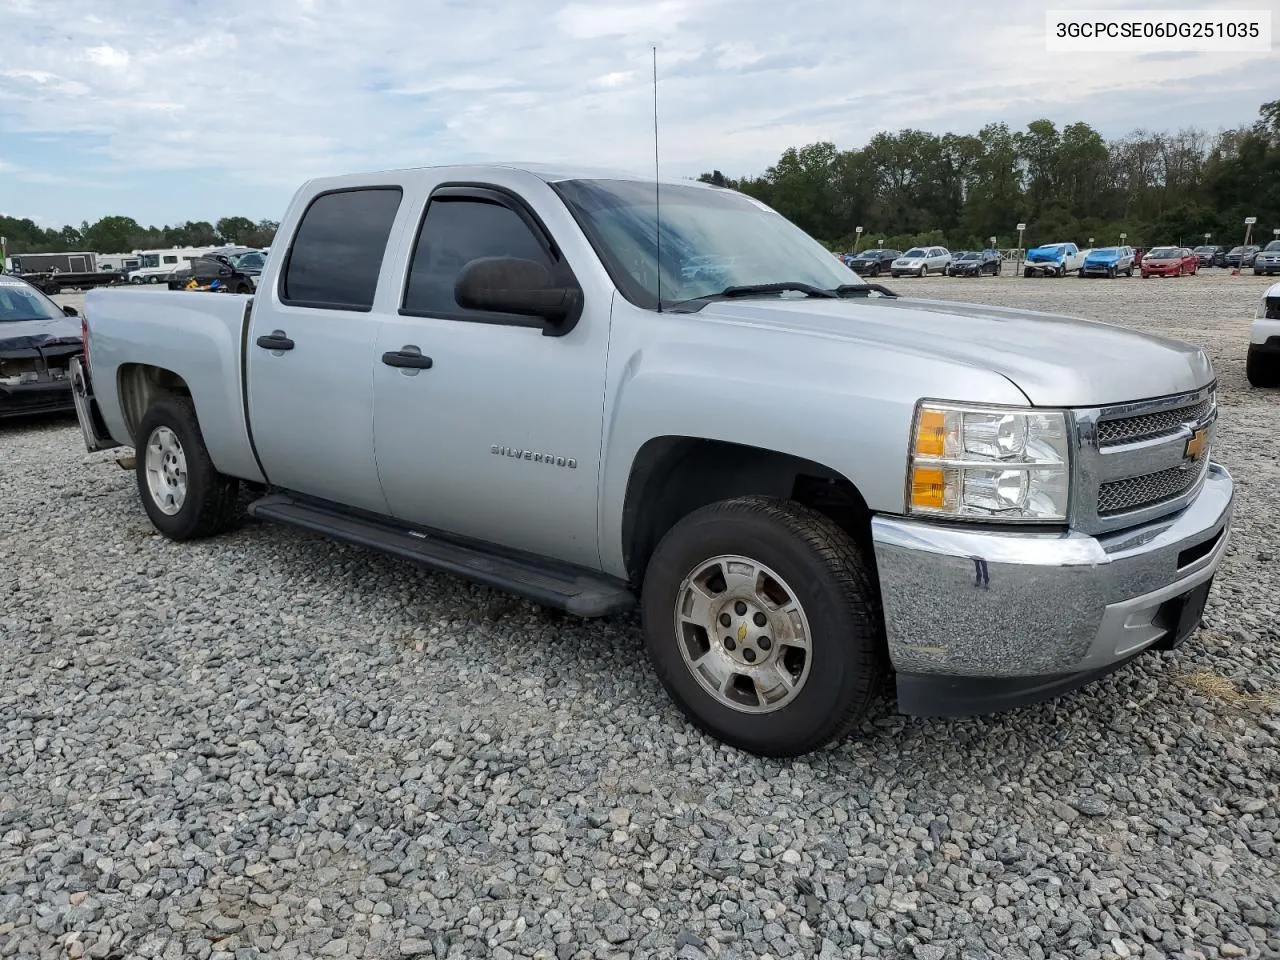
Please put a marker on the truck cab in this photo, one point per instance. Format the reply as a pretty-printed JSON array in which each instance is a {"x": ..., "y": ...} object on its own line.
[{"x": 604, "y": 394}]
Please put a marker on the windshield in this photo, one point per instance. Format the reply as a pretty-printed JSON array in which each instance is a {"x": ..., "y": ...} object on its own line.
[
  {"x": 969, "y": 255},
  {"x": 914, "y": 252},
  {"x": 868, "y": 254},
  {"x": 1164, "y": 253},
  {"x": 21, "y": 301},
  {"x": 1106, "y": 252},
  {"x": 1272, "y": 247},
  {"x": 1204, "y": 249},
  {"x": 248, "y": 261},
  {"x": 711, "y": 239}
]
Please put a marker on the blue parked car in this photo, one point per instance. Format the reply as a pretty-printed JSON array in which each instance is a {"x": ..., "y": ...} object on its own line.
[{"x": 1108, "y": 262}]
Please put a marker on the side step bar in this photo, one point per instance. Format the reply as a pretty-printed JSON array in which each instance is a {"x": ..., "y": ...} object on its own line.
[{"x": 564, "y": 588}]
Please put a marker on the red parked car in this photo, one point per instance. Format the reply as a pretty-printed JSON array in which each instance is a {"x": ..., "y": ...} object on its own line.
[{"x": 1169, "y": 262}]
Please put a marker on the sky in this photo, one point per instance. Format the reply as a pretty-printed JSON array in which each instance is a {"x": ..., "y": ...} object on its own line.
[{"x": 174, "y": 110}]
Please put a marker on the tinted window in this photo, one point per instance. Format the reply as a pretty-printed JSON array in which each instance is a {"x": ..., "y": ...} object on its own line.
[
  {"x": 455, "y": 232},
  {"x": 337, "y": 252}
]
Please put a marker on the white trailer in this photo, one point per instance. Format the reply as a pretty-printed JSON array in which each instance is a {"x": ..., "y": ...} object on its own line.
[{"x": 154, "y": 266}]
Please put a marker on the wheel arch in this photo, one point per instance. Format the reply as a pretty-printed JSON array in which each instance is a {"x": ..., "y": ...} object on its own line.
[
  {"x": 139, "y": 384},
  {"x": 673, "y": 475}
]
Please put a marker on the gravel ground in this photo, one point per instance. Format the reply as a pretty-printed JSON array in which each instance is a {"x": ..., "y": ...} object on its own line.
[{"x": 269, "y": 745}]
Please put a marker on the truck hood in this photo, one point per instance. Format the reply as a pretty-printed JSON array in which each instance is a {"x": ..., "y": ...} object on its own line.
[
  {"x": 1054, "y": 360},
  {"x": 1044, "y": 255},
  {"x": 35, "y": 334}
]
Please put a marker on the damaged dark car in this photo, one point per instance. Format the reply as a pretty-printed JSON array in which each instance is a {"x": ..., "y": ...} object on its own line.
[{"x": 38, "y": 338}]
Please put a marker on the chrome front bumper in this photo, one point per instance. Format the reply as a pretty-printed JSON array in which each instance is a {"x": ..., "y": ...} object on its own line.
[{"x": 1040, "y": 613}]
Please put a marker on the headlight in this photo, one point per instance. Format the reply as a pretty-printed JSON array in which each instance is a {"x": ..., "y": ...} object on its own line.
[{"x": 996, "y": 463}]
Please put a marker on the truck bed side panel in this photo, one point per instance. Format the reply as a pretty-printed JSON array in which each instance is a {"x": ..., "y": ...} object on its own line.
[{"x": 197, "y": 336}]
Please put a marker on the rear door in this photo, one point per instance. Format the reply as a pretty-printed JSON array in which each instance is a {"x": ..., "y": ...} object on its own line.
[
  {"x": 310, "y": 353},
  {"x": 499, "y": 439}
]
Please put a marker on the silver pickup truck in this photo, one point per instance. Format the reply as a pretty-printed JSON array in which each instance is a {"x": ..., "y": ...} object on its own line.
[{"x": 600, "y": 392}]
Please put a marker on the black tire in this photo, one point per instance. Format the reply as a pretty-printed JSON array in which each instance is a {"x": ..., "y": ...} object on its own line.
[
  {"x": 211, "y": 503},
  {"x": 830, "y": 577},
  {"x": 1262, "y": 370}
]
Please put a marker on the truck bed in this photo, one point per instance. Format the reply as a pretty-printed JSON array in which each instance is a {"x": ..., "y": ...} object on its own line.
[{"x": 197, "y": 337}]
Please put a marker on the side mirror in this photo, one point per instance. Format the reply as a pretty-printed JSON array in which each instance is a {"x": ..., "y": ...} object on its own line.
[
  {"x": 514, "y": 285},
  {"x": 71, "y": 311}
]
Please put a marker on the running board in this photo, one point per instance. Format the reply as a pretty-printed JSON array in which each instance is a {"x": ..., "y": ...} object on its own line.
[{"x": 564, "y": 588}]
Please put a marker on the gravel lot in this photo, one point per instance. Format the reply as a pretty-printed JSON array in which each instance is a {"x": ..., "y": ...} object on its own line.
[{"x": 269, "y": 745}]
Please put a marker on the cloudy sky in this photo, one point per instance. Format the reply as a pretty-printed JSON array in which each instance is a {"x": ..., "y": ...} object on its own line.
[{"x": 171, "y": 110}]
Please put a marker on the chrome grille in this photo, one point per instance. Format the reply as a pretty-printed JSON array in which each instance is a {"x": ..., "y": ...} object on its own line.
[
  {"x": 1132, "y": 463},
  {"x": 1135, "y": 493},
  {"x": 1148, "y": 426}
]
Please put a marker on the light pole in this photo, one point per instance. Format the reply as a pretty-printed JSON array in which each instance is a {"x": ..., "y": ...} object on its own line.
[
  {"x": 857, "y": 239},
  {"x": 1248, "y": 234},
  {"x": 1123, "y": 237},
  {"x": 1021, "y": 227}
]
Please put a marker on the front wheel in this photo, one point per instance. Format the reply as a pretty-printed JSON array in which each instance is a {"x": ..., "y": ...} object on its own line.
[
  {"x": 183, "y": 494},
  {"x": 763, "y": 625},
  {"x": 924, "y": 271}
]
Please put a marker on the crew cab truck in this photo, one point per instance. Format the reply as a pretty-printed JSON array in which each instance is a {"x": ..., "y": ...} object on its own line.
[
  {"x": 1262, "y": 362},
  {"x": 1053, "y": 260},
  {"x": 808, "y": 485}
]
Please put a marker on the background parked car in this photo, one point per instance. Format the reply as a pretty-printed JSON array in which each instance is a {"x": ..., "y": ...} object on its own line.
[
  {"x": 1267, "y": 259},
  {"x": 1052, "y": 260},
  {"x": 974, "y": 263},
  {"x": 872, "y": 263},
  {"x": 1169, "y": 262},
  {"x": 1108, "y": 262},
  {"x": 38, "y": 338},
  {"x": 1211, "y": 255},
  {"x": 1241, "y": 256},
  {"x": 205, "y": 270},
  {"x": 921, "y": 261}
]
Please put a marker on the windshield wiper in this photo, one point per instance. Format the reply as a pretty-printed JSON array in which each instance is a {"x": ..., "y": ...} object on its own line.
[
  {"x": 754, "y": 289},
  {"x": 748, "y": 289},
  {"x": 862, "y": 290}
]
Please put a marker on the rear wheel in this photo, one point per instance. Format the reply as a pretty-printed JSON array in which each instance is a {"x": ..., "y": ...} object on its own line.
[
  {"x": 184, "y": 496},
  {"x": 1263, "y": 370},
  {"x": 763, "y": 625}
]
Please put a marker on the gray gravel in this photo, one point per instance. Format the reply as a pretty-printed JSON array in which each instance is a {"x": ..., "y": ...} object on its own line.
[{"x": 269, "y": 745}]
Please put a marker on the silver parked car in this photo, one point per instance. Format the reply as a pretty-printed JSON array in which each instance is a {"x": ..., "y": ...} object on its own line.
[{"x": 921, "y": 261}]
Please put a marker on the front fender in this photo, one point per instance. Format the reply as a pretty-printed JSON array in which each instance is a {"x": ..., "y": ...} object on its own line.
[{"x": 847, "y": 406}]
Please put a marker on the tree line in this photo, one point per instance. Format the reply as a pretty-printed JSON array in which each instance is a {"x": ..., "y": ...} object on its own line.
[
  {"x": 117, "y": 234},
  {"x": 1068, "y": 184}
]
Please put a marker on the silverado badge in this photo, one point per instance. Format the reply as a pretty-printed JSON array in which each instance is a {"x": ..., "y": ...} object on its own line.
[{"x": 1196, "y": 445}]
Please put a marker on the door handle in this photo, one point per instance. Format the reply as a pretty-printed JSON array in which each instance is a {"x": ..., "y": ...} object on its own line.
[
  {"x": 275, "y": 340},
  {"x": 407, "y": 356}
]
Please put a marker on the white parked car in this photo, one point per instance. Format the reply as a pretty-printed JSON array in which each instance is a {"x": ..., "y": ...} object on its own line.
[
  {"x": 921, "y": 261},
  {"x": 1262, "y": 365}
]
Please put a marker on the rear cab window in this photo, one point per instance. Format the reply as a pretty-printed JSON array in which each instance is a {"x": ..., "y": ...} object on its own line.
[{"x": 336, "y": 256}]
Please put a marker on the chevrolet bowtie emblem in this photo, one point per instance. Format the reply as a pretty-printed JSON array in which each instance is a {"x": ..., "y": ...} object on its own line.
[
  {"x": 1196, "y": 445},
  {"x": 742, "y": 633}
]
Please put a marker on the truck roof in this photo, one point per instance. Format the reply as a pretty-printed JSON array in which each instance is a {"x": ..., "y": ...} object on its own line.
[{"x": 549, "y": 172}]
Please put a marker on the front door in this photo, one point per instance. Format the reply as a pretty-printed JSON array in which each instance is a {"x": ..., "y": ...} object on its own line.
[
  {"x": 311, "y": 351},
  {"x": 499, "y": 438}
]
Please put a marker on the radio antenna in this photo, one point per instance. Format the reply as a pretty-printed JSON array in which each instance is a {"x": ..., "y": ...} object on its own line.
[{"x": 657, "y": 199}]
